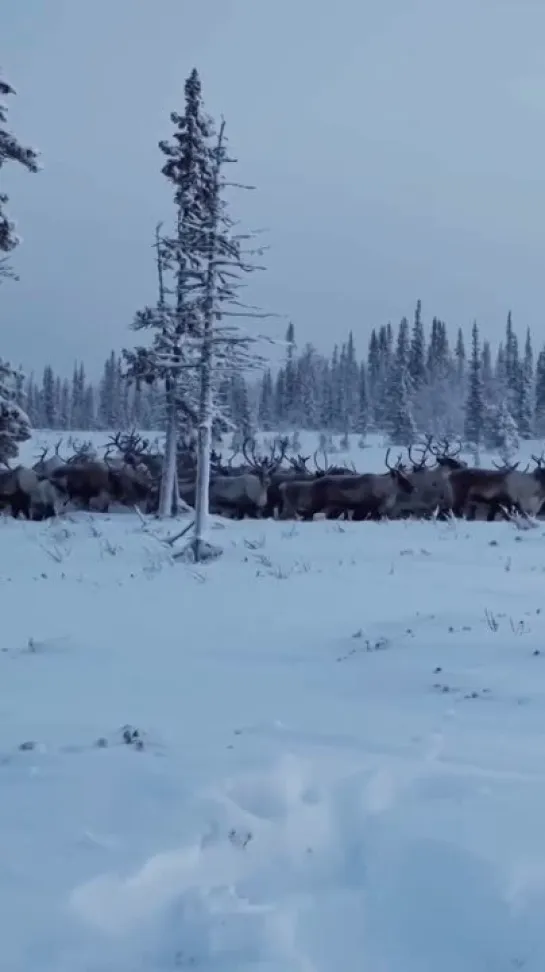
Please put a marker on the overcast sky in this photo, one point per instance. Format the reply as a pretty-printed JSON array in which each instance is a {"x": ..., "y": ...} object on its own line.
[{"x": 398, "y": 150}]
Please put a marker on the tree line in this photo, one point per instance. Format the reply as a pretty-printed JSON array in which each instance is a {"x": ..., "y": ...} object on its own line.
[{"x": 412, "y": 380}]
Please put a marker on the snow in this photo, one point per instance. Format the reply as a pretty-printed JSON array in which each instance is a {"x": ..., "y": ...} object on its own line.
[{"x": 340, "y": 760}]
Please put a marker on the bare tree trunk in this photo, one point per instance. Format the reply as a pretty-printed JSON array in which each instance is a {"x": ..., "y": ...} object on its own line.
[
  {"x": 168, "y": 477},
  {"x": 204, "y": 442},
  {"x": 201, "y": 549},
  {"x": 176, "y": 502}
]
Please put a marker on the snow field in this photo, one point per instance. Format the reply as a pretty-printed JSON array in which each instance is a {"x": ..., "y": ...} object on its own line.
[{"x": 341, "y": 762}]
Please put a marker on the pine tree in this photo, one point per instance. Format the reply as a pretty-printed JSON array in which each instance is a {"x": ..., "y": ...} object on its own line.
[
  {"x": 475, "y": 403},
  {"x": 362, "y": 422},
  {"x": 78, "y": 390},
  {"x": 10, "y": 151},
  {"x": 266, "y": 402},
  {"x": 335, "y": 419},
  {"x": 64, "y": 410},
  {"x": 309, "y": 386},
  {"x": 460, "y": 361},
  {"x": 89, "y": 411},
  {"x": 290, "y": 377},
  {"x": 539, "y": 412},
  {"x": 48, "y": 398},
  {"x": 525, "y": 391},
  {"x": 279, "y": 398},
  {"x": 417, "y": 355},
  {"x": 512, "y": 365},
  {"x": 507, "y": 438},
  {"x": 176, "y": 323},
  {"x": 401, "y": 424},
  {"x": 385, "y": 364},
  {"x": 351, "y": 384},
  {"x": 373, "y": 371},
  {"x": 219, "y": 344},
  {"x": 108, "y": 406},
  {"x": 14, "y": 422}
]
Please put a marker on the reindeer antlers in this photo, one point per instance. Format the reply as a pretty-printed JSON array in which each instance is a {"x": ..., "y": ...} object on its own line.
[
  {"x": 130, "y": 445},
  {"x": 398, "y": 465},
  {"x": 446, "y": 451},
  {"x": 299, "y": 463},
  {"x": 507, "y": 466},
  {"x": 424, "y": 449},
  {"x": 264, "y": 463}
]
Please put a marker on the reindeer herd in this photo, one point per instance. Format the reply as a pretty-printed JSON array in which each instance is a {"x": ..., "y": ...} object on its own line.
[{"x": 432, "y": 482}]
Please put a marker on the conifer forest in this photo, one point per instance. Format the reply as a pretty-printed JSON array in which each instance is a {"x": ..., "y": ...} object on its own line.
[{"x": 412, "y": 380}]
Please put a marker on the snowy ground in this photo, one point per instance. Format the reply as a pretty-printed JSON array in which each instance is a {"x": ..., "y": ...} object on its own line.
[{"x": 341, "y": 759}]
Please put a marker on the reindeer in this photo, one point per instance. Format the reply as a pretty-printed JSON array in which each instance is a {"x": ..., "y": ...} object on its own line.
[
  {"x": 333, "y": 513},
  {"x": 297, "y": 470},
  {"x": 135, "y": 472},
  {"x": 85, "y": 482},
  {"x": 245, "y": 494},
  {"x": 327, "y": 470},
  {"x": 292, "y": 495},
  {"x": 25, "y": 494},
  {"x": 445, "y": 457},
  {"x": 367, "y": 496},
  {"x": 432, "y": 493},
  {"x": 503, "y": 490}
]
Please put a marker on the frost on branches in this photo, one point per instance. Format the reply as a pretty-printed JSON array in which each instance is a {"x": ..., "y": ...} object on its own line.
[
  {"x": 14, "y": 422},
  {"x": 175, "y": 317},
  {"x": 223, "y": 346},
  {"x": 10, "y": 151}
]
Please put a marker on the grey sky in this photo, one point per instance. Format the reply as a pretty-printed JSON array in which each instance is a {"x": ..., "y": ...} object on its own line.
[{"x": 398, "y": 149}]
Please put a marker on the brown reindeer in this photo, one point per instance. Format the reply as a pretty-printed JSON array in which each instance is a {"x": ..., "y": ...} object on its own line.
[
  {"x": 367, "y": 496},
  {"x": 432, "y": 494},
  {"x": 503, "y": 490},
  {"x": 246, "y": 493}
]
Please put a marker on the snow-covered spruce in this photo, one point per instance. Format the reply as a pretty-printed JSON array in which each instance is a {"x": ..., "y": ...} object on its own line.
[{"x": 11, "y": 150}]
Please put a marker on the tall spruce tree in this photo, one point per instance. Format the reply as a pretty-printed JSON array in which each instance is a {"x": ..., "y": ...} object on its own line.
[
  {"x": 175, "y": 319},
  {"x": 290, "y": 378},
  {"x": 539, "y": 408},
  {"x": 525, "y": 391},
  {"x": 401, "y": 424},
  {"x": 219, "y": 344},
  {"x": 474, "y": 417},
  {"x": 14, "y": 421},
  {"x": 266, "y": 410},
  {"x": 417, "y": 355},
  {"x": 48, "y": 399}
]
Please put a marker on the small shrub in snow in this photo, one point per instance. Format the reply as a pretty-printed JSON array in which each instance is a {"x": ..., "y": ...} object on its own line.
[
  {"x": 107, "y": 547},
  {"x": 491, "y": 620},
  {"x": 365, "y": 647},
  {"x": 254, "y": 544},
  {"x": 54, "y": 552}
]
